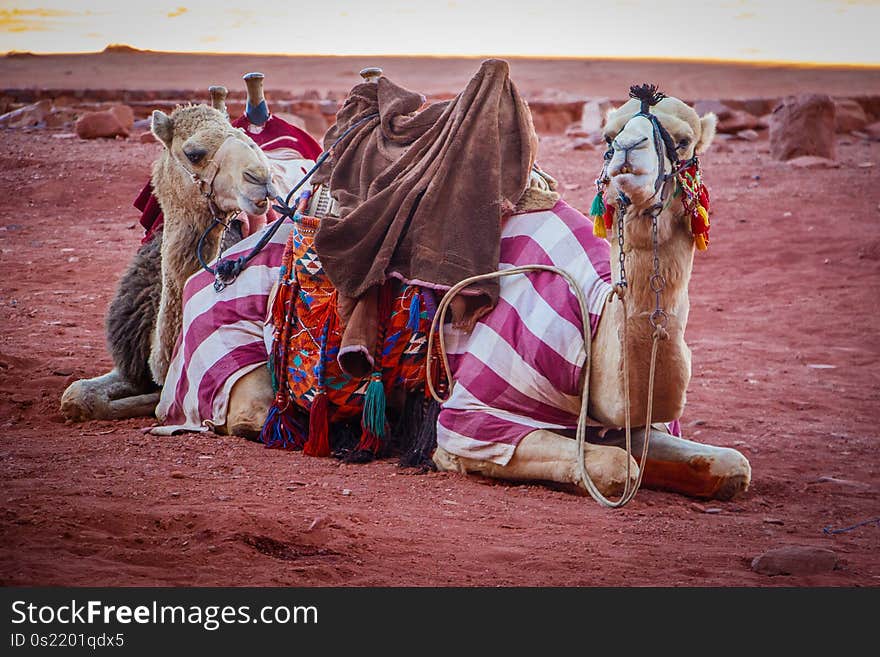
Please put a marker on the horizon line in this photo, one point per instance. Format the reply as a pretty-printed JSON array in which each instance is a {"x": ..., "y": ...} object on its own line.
[{"x": 117, "y": 48}]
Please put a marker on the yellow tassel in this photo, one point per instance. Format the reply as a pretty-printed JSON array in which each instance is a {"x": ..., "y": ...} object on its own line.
[
  {"x": 704, "y": 215},
  {"x": 700, "y": 241},
  {"x": 599, "y": 227}
]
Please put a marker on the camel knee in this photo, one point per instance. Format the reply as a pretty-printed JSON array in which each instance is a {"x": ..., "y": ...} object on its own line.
[
  {"x": 246, "y": 418},
  {"x": 80, "y": 402},
  {"x": 249, "y": 402},
  {"x": 607, "y": 467},
  {"x": 447, "y": 462}
]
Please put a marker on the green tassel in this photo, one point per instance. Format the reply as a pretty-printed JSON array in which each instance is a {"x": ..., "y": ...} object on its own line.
[
  {"x": 597, "y": 209},
  {"x": 274, "y": 379},
  {"x": 374, "y": 407}
]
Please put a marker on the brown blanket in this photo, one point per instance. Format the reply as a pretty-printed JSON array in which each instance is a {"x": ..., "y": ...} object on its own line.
[{"x": 422, "y": 194}]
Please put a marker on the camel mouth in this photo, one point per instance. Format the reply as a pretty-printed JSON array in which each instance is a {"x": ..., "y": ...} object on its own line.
[{"x": 252, "y": 206}]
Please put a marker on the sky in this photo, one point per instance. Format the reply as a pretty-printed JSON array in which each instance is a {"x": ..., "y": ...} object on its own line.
[{"x": 803, "y": 31}]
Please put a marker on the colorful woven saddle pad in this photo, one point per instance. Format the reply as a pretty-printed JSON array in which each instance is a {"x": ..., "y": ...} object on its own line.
[{"x": 307, "y": 335}]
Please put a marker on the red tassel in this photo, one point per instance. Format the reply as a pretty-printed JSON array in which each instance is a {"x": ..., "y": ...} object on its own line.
[
  {"x": 369, "y": 442},
  {"x": 609, "y": 215},
  {"x": 318, "y": 443}
]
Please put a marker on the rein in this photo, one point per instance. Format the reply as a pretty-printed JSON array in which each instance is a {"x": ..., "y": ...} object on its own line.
[{"x": 226, "y": 271}]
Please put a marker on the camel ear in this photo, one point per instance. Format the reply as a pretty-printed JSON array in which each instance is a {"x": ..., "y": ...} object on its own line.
[
  {"x": 163, "y": 127},
  {"x": 708, "y": 124}
]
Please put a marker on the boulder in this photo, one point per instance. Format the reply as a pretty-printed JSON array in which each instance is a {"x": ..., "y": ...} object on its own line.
[
  {"x": 849, "y": 115},
  {"x": 812, "y": 162},
  {"x": 803, "y": 125},
  {"x": 873, "y": 131},
  {"x": 736, "y": 121},
  {"x": 720, "y": 110},
  {"x": 114, "y": 122},
  {"x": 795, "y": 560},
  {"x": 27, "y": 116},
  {"x": 748, "y": 135},
  {"x": 125, "y": 115},
  {"x": 593, "y": 115}
]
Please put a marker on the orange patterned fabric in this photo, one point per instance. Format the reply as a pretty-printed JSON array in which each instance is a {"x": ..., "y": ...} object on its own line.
[{"x": 308, "y": 332}]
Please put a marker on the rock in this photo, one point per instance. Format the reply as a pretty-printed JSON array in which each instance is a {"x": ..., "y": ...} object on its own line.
[
  {"x": 849, "y": 115},
  {"x": 177, "y": 474},
  {"x": 721, "y": 110},
  {"x": 748, "y": 135},
  {"x": 125, "y": 115},
  {"x": 803, "y": 125},
  {"x": 593, "y": 115},
  {"x": 737, "y": 120},
  {"x": 843, "y": 483},
  {"x": 575, "y": 131},
  {"x": 317, "y": 523},
  {"x": 813, "y": 162},
  {"x": 346, "y": 491},
  {"x": 61, "y": 118},
  {"x": 873, "y": 131},
  {"x": 27, "y": 116},
  {"x": 581, "y": 145},
  {"x": 147, "y": 137},
  {"x": 795, "y": 560},
  {"x": 754, "y": 106},
  {"x": 106, "y": 124}
]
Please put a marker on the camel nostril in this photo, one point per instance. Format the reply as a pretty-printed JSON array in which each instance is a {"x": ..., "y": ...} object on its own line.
[{"x": 255, "y": 179}]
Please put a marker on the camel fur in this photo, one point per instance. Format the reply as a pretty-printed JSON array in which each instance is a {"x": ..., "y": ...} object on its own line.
[{"x": 144, "y": 318}]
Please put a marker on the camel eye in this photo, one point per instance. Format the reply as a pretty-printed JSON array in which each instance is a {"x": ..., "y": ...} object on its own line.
[
  {"x": 683, "y": 143},
  {"x": 195, "y": 156}
]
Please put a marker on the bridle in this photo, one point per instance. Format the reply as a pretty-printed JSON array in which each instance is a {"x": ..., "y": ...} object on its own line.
[
  {"x": 226, "y": 271},
  {"x": 664, "y": 147}
]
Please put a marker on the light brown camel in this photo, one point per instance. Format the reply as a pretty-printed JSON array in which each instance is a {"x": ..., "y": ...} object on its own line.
[
  {"x": 673, "y": 463},
  {"x": 207, "y": 167}
]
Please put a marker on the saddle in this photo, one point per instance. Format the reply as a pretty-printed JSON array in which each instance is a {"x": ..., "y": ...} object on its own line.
[{"x": 312, "y": 390}]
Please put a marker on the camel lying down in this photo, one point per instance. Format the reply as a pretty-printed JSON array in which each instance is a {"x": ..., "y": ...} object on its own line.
[{"x": 638, "y": 159}]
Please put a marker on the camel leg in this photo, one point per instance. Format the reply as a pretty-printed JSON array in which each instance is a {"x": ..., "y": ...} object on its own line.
[
  {"x": 106, "y": 397},
  {"x": 683, "y": 466},
  {"x": 546, "y": 456},
  {"x": 249, "y": 402}
]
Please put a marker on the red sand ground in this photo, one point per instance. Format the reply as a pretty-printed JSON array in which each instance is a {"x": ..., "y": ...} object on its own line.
[{"x": 785, "y": 351}]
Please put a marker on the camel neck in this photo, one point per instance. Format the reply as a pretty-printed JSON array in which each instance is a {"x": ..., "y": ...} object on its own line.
[{"x": 675, "y": 253}]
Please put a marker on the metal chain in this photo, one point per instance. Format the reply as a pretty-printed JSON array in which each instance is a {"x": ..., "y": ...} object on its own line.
[
  {"x": 621, "y": 213},
  {"x": 659, "y": 318}
]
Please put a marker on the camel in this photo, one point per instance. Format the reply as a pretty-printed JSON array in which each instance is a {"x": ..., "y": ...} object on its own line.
[
  {"x": 207, "y": 169},
  {"x": 636, "y": 162},
  {"x": 676, "y": 464}
]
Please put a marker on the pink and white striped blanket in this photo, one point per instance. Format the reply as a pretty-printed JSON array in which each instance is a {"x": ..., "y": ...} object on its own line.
[
  {"x": 224, "y": 337},
  {"x": 520, "y": 369}
]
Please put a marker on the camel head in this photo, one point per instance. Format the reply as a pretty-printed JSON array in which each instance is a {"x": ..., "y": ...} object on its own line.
[
  {"x": 226, "y": 163},
  {"x": 638, "y": 155}
]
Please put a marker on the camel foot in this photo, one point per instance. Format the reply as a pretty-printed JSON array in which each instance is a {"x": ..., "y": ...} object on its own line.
[
  {"x": 106, "y": 397},
  {"x": 546, "y": 456},
  {"x": 684, "y": 466}
]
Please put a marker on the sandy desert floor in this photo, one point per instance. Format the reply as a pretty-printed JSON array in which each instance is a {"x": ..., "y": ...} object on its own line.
[{"x": 786, "y": 352}]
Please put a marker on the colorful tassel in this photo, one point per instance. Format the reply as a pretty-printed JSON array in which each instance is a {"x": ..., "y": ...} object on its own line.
[
  {"x": 374, "y": 406},
  {"x": 701, "y": 242},
  {"x": 599, "y": 227},
  {"x": 597, "y": 209},
  {"x": 704, "y": 215},
  {"x": 281, "y": 430},
  {"x": 609, "y": 217},
  {"x": 415, "y": 313},
  {"x": 318, "y": 443}
]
